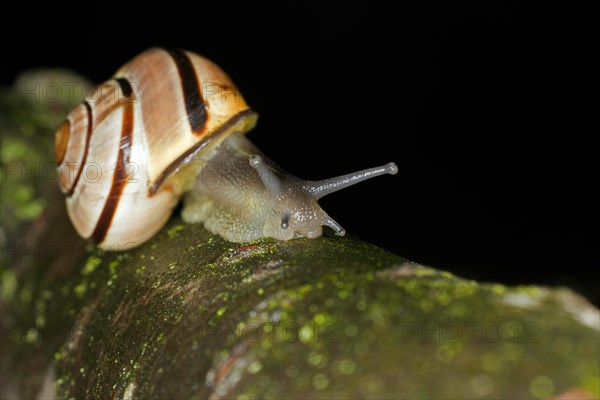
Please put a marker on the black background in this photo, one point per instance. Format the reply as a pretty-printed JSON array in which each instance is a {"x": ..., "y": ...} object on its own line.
[{"x": 489, "y": 110}]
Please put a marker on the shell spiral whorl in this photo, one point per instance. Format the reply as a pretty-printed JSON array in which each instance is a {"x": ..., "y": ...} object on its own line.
[{"x": 120, "y": 152}]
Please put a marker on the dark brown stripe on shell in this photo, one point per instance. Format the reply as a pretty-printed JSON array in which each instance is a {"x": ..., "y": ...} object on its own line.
[
  {"x": 120, "y": 177},
  {"x": 127, "y": 91},
  {"x": 189, "y": 155},
  {"x": 125, "y": 86},
  {"x": 88, "y": 137},
  {"x": 194, "y": 104}
]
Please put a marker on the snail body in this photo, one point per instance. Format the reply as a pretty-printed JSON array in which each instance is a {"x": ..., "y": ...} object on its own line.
[{"x": 171, "y": 125}]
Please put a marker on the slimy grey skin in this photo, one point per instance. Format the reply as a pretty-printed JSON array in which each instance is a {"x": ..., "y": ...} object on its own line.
[{"x": 242, "y": 196}]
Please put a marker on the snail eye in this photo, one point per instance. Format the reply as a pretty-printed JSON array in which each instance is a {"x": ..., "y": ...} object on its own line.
[{"x": 285, "y": 221}]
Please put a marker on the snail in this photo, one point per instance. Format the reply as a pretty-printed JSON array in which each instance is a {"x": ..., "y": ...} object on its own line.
[{"x": 171, "y": 126}]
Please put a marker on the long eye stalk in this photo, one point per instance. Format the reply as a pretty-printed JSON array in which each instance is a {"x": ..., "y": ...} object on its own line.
[{"x": 324, "y": 187}]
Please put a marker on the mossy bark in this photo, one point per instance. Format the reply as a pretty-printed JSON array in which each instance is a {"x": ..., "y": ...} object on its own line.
[{"x": 189, "y": 315}]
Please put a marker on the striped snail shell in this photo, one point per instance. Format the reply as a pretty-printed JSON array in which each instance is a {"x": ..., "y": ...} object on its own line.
[
  {"x": 145, "y": 138},
  {"x": 117, "y": 150}
]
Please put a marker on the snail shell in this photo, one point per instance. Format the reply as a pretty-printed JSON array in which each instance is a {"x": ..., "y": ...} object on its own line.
[{"x": 125, "y": 153}]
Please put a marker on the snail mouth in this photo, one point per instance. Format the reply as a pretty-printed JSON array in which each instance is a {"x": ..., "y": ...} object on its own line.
[{"x": 311, "y": 234}]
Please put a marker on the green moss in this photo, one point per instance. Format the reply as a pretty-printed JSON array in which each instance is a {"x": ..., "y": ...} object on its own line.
[
  {"x": 541, "y": 387},
  {"x": 90, "y": 265},
  {"x": 8, "y": 286},
  {"x": 591, "y": 383},
  {"x": 81, "y": 288},
  {"x": 174, "y": 232}
]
